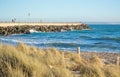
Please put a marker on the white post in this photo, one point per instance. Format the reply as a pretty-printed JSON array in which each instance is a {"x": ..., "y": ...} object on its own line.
[{"x": 78, "y": 50}]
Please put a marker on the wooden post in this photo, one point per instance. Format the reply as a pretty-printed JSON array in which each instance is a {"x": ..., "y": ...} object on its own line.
[
  {"x": 78, "y": 51},
  {"x": 118, "y": 61}
]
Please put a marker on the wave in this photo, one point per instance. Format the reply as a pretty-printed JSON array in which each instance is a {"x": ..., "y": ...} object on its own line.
[
  {"x": 85, "y": 37},
  {"x": 86, "y": 29},
  {"x": 33, "y": 31},
  {"x": 100, "y": 47},
  {"x": 8, "y": 40},
  {"x": 62, "y": 30},
  {"x": 111, "y": 38},
  {"x": 117, "y": 39},
  {"x": 67, "y": 45}
]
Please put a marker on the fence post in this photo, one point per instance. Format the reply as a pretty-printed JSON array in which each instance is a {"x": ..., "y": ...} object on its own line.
[
  {"x": 78, "y": 51},
  {"x": 118, "y": 61}
]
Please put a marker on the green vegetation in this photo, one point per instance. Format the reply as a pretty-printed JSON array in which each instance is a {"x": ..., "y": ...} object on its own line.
[{"x": 28, "y": 61}]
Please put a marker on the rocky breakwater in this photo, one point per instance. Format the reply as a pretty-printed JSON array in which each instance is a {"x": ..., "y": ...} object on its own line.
[{"x": 25, "y": 29}]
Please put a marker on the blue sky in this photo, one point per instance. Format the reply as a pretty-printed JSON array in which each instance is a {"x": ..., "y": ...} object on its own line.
[{"x": 61, "y": 10}]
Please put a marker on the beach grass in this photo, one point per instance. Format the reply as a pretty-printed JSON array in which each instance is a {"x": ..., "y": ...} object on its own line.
[{"x": 28, "y": 61}]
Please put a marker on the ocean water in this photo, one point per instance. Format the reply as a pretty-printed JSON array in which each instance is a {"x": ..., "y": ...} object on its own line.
[{"x": 101, "y": 38}]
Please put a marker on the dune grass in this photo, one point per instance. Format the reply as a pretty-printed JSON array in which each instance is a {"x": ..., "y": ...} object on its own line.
[{"x": 29, "y": 61}]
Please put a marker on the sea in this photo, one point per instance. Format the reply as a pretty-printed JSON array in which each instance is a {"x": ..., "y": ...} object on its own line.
[{"x": 99, "y": 38}]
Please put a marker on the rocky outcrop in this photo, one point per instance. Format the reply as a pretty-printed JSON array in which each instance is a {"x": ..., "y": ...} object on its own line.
[{"x": 25, "y": 29}]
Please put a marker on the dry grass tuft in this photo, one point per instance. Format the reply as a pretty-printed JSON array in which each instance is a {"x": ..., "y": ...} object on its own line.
[
  {"x": 96, "y": 60},
  {"x": 112, "y": 71},
  {"x": 25, "y": 61},
  {"x": 89, "y": 70}
]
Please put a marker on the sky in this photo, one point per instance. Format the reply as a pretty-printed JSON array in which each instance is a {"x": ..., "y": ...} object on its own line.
[{"x": 60, "y": 10}]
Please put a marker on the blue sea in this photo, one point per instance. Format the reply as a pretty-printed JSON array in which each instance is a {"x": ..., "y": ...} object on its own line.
[{"x": 100, "y": 38}]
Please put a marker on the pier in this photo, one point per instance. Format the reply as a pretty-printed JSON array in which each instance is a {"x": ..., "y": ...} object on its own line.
[{"x": 24, "y": 28}]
